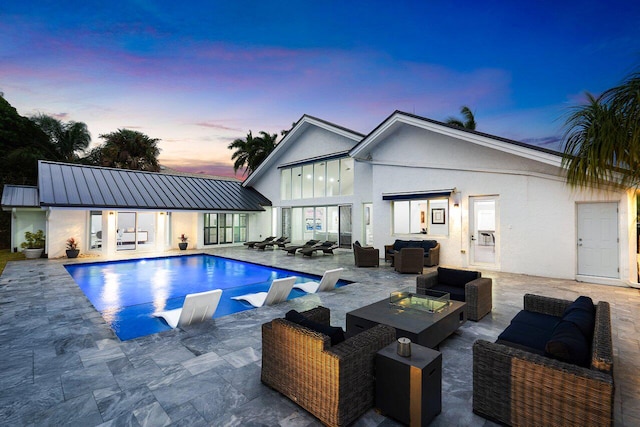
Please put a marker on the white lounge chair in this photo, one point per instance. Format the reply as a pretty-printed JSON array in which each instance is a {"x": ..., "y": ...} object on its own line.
[
  {"x": 278, "y": 292},
  {"x": 327, "y": 283},
  {"x": 196, "y": 308}
]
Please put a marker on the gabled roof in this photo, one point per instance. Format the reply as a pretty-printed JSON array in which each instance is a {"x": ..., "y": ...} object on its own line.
[
  {"x": 303, "y": 123},
  {"x": 397, "y": 118},
  {"x": 19, "y": 196},
  {"x": 70, "y": 185}
]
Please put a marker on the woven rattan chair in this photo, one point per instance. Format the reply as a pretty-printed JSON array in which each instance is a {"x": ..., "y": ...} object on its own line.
[
  {"x": 409, "y": 260},
  {"x": 516, "y": 387},
  {"x": 366, "y": 256},
  {"x": 335, "y": 384},
  {"x": 477, "y": 292}
]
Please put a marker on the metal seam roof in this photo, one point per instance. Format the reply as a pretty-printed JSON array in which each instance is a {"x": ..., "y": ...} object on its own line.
[{"x": 70, "y": 185}]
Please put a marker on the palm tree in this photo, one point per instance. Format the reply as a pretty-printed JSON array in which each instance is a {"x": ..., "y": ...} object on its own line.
[
  {"x": 469, "y": 123},
  {"x": 68, "y": 138},
  {"x": 128, "y": 149},
  {"x": 602, "y": 138},
  {"x": 251, "y": 152}
]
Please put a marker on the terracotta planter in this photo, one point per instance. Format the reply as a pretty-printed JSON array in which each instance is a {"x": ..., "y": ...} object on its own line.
[
  {"x": 182, "y": 246},
  {"x": 33, "y": 253},
  {"x": 73, "y": 253}
]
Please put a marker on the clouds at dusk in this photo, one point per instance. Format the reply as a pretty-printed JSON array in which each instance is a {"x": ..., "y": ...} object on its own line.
[{"x": 199, "y": 76}]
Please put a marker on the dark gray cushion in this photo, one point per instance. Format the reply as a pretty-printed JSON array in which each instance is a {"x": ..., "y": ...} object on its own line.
[
  {"x": 526, "y": 335},
  {"x": 582, "y": 313},
  {"x": 334, "y": 332},
  {"x": 453, "y": 277},
  {"x": 539, "y": 320},
  {"x": 456, "y": 292},
  {"x": 428, "y": 244},
  {"x": 399, "y": 244},
  {"x": 568, "y": 344}
]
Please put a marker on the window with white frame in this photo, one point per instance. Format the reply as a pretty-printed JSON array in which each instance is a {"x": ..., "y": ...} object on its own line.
[
  {"x": 326, "y": 178},
  {"x": 428, "y": 216}
]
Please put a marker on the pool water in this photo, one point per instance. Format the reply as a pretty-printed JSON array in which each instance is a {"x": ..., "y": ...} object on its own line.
[{"x": 126, "y": 293}]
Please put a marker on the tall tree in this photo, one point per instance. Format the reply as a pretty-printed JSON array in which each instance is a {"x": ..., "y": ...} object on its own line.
[
  {"x": 127, "y": 149},
  {"x": 68, "y": 138},
  {"x": 602, "y": 138},
  {"x": 251, "y": 151},
  {"x": 469, "y": 119}
]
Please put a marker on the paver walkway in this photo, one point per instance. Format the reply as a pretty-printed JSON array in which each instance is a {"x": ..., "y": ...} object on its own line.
[{"x": 60, "y": 364}]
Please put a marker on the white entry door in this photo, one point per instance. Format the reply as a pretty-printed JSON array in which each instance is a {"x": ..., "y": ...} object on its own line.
[
  {"x": 598, "y": 239},
  {"x": 484, "y": 220}
]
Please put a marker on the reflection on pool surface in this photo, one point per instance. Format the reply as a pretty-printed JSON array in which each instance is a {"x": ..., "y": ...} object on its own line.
[{"x": 127, "y": 292}]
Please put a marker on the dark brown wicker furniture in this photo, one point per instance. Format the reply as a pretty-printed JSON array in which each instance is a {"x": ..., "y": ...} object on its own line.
[
  {"x": 517, "y": 387},
  {"x": 427, "y": 329},
  {"x": 366, "y": 256},
  {"x": 336, "y": 384},
  {"x": 431, "y": 248},
  {"x": 476, "y": 293},
  {"x": 409, "y": 260}
]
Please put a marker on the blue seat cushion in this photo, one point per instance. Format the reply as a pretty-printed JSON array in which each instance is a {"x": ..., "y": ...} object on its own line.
[
  {"x": 539, "y": 320},
  {"x": 456, "y": 292},
  {"x": 399, "y": 244},
  {"x": 582, "y": 313},
  {"x": 428, "y": 244},
  {"x": 334, "y": 332},
  {"x": 525, "y": 336},
  {"x": 568, "y": 344},
  {"x": 453, "y": 277}
]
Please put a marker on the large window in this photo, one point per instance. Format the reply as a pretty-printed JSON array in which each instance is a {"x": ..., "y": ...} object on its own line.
[
  {"x": 224, "y": 228},
  {"x": 429, "y": 216},
  {"x": 95, "y": 232},
  {"x": 135, "y": 230},
  {"x": 319, "y": 179}
]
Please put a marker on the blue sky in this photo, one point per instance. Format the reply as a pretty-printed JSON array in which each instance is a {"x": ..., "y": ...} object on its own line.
[{"x": 199, "y": 75}]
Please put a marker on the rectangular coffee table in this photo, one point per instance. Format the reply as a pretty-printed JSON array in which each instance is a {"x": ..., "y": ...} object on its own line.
[{"x": 425, "y": 328}]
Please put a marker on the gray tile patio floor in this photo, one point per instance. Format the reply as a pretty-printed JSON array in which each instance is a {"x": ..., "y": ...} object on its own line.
[{"x": 60, "y": 364}]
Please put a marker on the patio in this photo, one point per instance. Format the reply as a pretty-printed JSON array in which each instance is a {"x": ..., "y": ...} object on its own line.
[{"x": 61, "y": 364}]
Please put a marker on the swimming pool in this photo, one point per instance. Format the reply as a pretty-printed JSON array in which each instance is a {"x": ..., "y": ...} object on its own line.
[{"x": 127, "y": 292}]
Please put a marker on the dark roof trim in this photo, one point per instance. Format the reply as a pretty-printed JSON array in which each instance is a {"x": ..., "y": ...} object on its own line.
[
  {"x": 413, "y": 195},
  {"x": 486, "y": 135},
  {"x": 315, "y": 159}
]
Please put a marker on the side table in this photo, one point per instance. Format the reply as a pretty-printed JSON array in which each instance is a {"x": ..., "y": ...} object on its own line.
[{"x": 409, "y": 389}]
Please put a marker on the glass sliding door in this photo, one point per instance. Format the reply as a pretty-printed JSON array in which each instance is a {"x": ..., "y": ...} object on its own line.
[
  {"x": 345, "y": 226},
  {"x": 286, "y": 222},
  {"x": 95, "y": 230},
  {"x": 135, "y": 230}
]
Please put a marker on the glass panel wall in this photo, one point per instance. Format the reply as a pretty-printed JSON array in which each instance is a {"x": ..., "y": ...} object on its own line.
[
  {"x": 319, "y": 179},
  {"x": 224, "y": 228},
  {"x": 210, "y": 229},
  {"x": 319, "y": 222},
  {"x": 332, "y": 223},
  {"x": 320, "y": 230},
  {"x": 135, "y": 230},
  {"x": 95, "y": 230}
]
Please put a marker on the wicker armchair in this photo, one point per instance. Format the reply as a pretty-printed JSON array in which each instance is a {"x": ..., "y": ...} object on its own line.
[
  {"x": 336, "y": 384},
  {"x": 516, "y": 387},
  {"x": 366, "y": 256},
  {"x": 477, "y": 293},
  {"x": 409, "y": 260}
]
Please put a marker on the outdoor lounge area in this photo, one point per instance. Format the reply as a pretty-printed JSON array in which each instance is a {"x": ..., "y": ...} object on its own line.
[{"x": 62, "y": 364}]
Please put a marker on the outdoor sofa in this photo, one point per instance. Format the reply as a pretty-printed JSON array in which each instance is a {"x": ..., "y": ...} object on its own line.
[
  {"x": 461, "y": 285},
  {"x": 409, "y": 260},
  {"x": 431, "y": 250},
  {"x": 366, "y": 256},
  {"x": 335, "y": 382},
  {"x": 553, "y": 365}
]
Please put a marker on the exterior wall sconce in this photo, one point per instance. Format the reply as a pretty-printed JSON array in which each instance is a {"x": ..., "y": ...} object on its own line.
[
  {"x": 456, "y": 198},
  {"x": 111, "y": 213}
]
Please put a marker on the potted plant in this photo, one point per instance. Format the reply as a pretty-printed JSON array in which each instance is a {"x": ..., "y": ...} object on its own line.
[
  {"x": 33, "y": 245},
  {"x": 183, "y": 242},
  {"x": 72, "y": 248}
]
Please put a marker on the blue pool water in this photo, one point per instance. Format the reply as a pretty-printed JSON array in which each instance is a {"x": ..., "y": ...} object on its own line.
[{"x": 127, "y": 292}]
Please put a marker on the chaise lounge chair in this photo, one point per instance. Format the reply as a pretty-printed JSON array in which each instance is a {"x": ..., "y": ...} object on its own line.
[
  {"x": 255, "y": 242},
  {"x": 291, "y": 250},
  {"x": 279, "y": 242},
  {"x": 196, "y": 308},
  {"x": 278, "y": 292},
  {"x": 327, "y": 283},
  {"x": 326, "y": 248}
]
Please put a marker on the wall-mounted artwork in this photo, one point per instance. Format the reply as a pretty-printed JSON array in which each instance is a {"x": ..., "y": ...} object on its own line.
[{"x": 437, "y": 216}]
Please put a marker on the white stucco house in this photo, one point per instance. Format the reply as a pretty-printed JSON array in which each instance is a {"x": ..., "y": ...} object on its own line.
[{"x": 491, "y": 203}]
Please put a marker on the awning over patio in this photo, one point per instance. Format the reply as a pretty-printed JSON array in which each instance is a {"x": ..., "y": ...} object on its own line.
[{"x": 412, "y": 195}]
